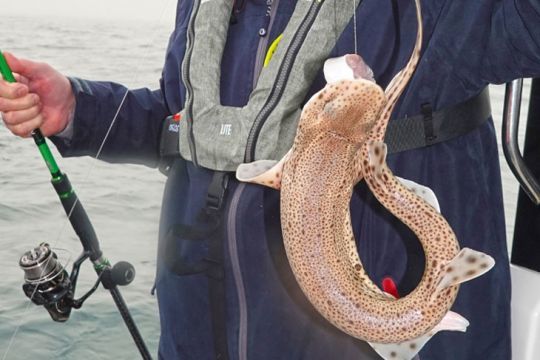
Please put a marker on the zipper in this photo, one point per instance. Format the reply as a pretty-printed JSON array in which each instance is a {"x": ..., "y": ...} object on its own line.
[
  {"x": 237, "y": 271},
  {"x": 282, "y": 78},
  {"x": 187, "y": 82},
  {"x": 264, "y": 33}
]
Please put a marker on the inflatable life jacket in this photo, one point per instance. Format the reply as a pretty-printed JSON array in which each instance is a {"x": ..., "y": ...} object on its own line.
[{"x": 222, "y": 137}]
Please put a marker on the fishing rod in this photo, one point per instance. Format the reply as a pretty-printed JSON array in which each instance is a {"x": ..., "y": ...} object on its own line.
[{"x": 47, "y": 282}]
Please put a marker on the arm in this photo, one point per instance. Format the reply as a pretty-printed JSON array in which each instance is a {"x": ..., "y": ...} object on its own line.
[
  {"x": 44, "y": 98},
  {"x": 134, "y": 136}
]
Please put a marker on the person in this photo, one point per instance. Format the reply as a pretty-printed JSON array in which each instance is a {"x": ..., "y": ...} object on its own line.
[{"x": 467, "y": 45}]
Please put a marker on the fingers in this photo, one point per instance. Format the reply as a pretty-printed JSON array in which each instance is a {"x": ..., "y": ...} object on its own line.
[
  {"x": 12, "y": 90},
  {"x": 23, "y": 128},
  {"x": 22, "y": 115},
  {"x": 21, "y": 103},
  {"x": 20, "y": 110}
]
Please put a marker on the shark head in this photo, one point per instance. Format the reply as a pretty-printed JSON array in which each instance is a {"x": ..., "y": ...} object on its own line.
[{"x": 348, "y": 106}]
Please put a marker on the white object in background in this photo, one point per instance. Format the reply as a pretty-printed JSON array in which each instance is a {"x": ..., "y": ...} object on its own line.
[{"x": 525, "y": 313}]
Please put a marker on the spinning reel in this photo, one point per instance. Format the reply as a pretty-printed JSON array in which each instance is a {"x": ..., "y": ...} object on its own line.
[{"x": 48, "y": 283}]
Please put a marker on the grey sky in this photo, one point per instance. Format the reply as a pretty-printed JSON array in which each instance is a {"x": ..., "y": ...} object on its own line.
[{"x": 107, "y": 9}]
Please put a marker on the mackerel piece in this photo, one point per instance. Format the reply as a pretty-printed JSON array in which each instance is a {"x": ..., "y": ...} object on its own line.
[
  {"x": 222, "y": 137},
  {"x": 338, "y": 143}
]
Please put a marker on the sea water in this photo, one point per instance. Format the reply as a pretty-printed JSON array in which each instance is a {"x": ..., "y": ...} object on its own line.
[{"x": 123, "y": 201}]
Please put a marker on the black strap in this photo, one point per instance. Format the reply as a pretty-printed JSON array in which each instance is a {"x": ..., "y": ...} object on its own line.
[
  {"x": 209, "y": 228},
  {"x": 215, "y": 272},
  {"x": 430, "y": 127}
]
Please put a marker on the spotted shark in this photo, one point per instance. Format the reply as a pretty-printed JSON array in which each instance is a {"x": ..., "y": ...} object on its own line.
[{"x": 339, "y": 142}]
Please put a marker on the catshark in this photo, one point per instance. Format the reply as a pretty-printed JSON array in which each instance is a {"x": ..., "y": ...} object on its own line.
[{"x": 339, "y": 142}]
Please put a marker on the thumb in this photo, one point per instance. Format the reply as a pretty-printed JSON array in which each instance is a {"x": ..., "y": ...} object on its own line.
[{"x": 20, "y": 66}]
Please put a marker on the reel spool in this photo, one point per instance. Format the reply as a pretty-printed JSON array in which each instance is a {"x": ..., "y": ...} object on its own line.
[{"x": 47, "y": 282}]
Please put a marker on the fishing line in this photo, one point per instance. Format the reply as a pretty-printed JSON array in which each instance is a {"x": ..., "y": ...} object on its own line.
[
  {"x": 355, "y": 29},
  {"x": 87, "y": 176},
  {"x": 335, "y": 24},
  {"x": 19, "y": 324}
]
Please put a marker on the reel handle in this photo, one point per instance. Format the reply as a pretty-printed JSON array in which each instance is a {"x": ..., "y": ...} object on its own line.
[{"x": 121, "y": 274}]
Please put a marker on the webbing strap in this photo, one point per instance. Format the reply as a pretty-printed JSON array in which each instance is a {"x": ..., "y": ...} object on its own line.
[
  {"x": 430, "y": 127},
  {"x": 215, "y": 272},
  {"x": 210, "y": 229}
]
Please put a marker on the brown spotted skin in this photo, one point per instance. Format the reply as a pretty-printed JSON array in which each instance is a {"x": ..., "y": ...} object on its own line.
[
  {"x": 316, "y": 227},
  {"x": 330, "y": 154}
]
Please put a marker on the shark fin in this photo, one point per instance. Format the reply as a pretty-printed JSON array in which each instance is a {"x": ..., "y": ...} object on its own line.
[
  {"x": 408, "y": 349},
  {"x": 466, "y": 265},
  {"x": 423, "y": 191},
  {"x": 263, "y": 172},
  {"x": 377, "y": 159}
]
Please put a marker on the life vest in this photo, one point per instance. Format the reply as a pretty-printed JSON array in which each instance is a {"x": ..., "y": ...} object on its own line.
[{"x": 222, "y": 137}]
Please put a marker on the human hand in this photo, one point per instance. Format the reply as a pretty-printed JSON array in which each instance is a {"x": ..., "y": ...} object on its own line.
[{"x": 41, "y": 98}]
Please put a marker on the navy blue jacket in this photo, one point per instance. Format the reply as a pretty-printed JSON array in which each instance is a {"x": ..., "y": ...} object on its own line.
[{"x": 467, "y": 45}]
